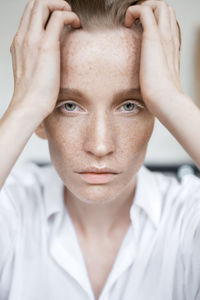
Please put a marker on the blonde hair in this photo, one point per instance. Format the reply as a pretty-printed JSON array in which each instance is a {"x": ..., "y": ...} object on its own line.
[{"x": 96, "y": 14}]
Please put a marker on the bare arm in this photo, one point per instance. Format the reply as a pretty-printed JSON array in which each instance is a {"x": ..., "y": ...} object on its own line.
[
  {"x": 36, "y": 66},
  {"x": 16, "y": 127},
  {"x": 182, "y": 118}
]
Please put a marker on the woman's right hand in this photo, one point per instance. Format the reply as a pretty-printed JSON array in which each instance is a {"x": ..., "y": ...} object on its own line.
[{"x": 36, "y": 55}]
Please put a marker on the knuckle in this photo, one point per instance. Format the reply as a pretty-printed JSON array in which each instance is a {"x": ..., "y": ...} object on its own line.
[
  {"x": 73, "y": 17},
  {"x": 17, "y": 40},
  {"x": 57, "y": 14},
  {"x": 131, "y": 10},
  {"x": 11, "y": 48}
]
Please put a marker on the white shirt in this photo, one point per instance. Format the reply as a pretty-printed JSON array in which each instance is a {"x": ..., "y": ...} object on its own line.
[{"x": 40, "y": 257}]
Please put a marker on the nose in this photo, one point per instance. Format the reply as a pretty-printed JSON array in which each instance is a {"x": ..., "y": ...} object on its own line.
[{"x": 99, "y": 139}]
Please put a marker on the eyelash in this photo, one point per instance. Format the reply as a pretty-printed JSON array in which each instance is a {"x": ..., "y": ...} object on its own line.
[{"x": 139, "y": 106}]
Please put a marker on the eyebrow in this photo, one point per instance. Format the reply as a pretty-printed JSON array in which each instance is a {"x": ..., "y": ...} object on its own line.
[{"x": 124, "y": 93}]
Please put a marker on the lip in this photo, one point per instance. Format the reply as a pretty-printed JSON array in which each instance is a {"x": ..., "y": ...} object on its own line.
[
  {"x": 97, "y": 178},
  {"x": 97, "y": 170}
]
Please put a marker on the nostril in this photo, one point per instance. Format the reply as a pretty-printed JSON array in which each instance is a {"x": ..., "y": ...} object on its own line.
[{"x": 99, "y": 150}]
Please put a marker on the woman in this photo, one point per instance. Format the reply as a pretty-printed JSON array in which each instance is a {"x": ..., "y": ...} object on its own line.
[{"x": 96, "y": 224}]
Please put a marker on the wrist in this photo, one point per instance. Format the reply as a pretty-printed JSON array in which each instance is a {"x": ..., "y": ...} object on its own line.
[
  {"x": 21, "y": 120},
  {"x": 173, "y": 108},
  {"x": 26, "y": 113},
  {"x": 165, "y": 100}
]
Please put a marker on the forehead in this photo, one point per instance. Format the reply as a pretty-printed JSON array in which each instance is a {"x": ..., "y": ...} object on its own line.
[{"x": 108, "y": 54}]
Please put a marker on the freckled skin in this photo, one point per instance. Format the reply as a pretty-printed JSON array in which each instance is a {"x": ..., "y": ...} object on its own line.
[{"x": 99, "y": 64}]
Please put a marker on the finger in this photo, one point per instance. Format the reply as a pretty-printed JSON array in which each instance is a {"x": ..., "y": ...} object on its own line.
[
  {"x": 175, "y": 28},
  {"x": 176, "y": 33},
  {"x": 162, "y": 14},
  {"x": 161, "y": 9},
  {"x": 146, "y": 16},
  {"x": 56, "y": 23},
  {"x": 41, "y": 12},
  {"x": 15, "y": 48},
  {"x": 23, "y": 26}
]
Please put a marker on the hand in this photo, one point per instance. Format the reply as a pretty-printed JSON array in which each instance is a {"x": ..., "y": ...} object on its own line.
[
  {"x": 160, "y": 51},
  {"x": 36, "y": 54}
]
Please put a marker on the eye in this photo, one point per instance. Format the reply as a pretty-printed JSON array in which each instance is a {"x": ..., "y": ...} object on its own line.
[
  {"x": 126, "y": 107},
  {"x": 68, "y": 106},
  {"x": 131, "y": 106}
]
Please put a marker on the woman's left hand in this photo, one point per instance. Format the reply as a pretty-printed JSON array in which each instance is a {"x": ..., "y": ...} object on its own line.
[{"x": 160, "y": 51}]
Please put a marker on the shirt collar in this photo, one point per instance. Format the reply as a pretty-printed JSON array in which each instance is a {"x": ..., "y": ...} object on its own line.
[
  {"x": 147, "y": 195},
  {"x": 53, "y": 191}
]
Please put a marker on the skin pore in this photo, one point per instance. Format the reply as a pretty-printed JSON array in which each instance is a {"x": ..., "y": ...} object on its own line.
[{"x": 101, "y": 128}]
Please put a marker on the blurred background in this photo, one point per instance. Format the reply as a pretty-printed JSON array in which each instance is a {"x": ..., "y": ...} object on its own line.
[{"x": 163, "y": 150}]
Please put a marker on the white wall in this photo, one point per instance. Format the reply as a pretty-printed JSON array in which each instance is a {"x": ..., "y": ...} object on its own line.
[{"x": 163, "y": 148}]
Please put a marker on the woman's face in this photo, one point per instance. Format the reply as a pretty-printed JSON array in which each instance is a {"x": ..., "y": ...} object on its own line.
[{"x": 105, "y": 123}]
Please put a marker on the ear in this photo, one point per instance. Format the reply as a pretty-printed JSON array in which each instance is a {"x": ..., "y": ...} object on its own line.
[{"x": 40, "y": 132}]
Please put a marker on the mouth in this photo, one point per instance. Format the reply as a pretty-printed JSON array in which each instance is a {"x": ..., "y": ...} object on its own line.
[{"x": 97, "y": 178}]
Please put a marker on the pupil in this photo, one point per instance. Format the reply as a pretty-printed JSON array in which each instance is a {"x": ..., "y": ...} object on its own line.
[
  {"x": 130, "y": 106},
  {"x": 70, "y": 106}
]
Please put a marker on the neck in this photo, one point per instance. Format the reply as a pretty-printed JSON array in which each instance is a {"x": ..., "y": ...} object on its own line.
[{"x": 100, "y": 219}]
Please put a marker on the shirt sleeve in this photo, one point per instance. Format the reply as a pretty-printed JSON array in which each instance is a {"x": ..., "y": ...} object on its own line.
[{"x": 9, "y": 224}]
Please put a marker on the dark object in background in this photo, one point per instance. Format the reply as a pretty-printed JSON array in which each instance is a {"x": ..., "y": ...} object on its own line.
[{"x": 178, "y": 171}]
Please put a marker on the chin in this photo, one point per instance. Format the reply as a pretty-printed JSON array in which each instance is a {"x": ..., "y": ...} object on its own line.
[
  {"x": 95, "y": 194},
  {"x": 96, "y": 201}
]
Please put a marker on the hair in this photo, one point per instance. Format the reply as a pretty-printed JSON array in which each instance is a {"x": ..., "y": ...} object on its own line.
[
  {"x": 101, "y": 13},
  {"x": 96, "y": 14}
]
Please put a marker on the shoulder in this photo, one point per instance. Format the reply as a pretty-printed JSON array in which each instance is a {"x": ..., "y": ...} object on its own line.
[
  {"x": 26, "y": 174},
  {"x": 23, "y": 189},
  {"x": 178, "y": 201},
  {"x": 186, "y": 191},
  {"x": 180, "y": 208}
]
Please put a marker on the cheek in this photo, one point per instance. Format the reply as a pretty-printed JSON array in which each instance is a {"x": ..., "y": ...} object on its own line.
[
  {"x": 63, "y": 136},
  {"x": 134, "y": 134},
  {"x": 132, "y": 145}
]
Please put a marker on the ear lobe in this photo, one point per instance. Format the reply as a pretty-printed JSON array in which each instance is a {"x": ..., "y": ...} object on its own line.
[{"x": 40, "y": 132}]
